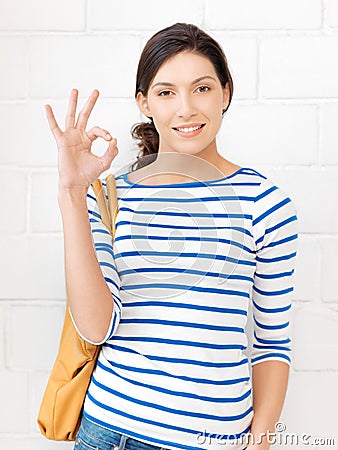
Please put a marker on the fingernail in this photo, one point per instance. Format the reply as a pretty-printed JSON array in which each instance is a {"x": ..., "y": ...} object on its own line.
[{"x": 108, "y": 136}]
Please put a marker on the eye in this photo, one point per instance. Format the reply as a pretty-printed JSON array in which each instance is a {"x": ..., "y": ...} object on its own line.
[
  {"x": 164, "y": 93},
  {"x": 205, "y": 88}
]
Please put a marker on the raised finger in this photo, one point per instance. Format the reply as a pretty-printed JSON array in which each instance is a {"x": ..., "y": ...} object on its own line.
[
  {"x": 96, "y": 132},
  {"x": 54, "y": 127},
  {"x": 87, "y": 109},
  {"x": 71, "y": 110}
]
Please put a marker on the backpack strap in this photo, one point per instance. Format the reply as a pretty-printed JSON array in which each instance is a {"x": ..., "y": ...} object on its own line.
[
  {"x": 108, "y": 210},
  {"x": 112, "y": 201}
]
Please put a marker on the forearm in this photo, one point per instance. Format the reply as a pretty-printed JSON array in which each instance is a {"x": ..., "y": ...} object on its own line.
[
  {"x": 88, "y": 295},
  {"x": 269, "y": 382}
]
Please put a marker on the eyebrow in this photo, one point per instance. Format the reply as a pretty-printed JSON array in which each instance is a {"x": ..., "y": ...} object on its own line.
[{"x": 165, "y": 83}]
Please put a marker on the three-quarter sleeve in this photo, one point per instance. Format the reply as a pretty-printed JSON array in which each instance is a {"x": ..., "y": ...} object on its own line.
[
  {"x": 103, "y": 245},
  {"x": 275, "y": 226}
]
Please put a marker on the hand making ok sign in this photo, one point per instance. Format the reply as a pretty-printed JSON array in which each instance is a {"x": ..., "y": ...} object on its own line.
[{"x": 78, "y": 167}]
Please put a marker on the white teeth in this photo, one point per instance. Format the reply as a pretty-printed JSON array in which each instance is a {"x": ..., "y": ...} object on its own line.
[{"x": 189, "y": 130}]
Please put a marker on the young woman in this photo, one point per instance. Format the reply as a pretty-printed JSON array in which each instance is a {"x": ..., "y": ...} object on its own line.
[{"x": 198, "y": 239}]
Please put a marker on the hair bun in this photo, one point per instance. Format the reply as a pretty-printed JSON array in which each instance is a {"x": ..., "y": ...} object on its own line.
[
  {"x": 148, "y": 141},
  {"x": 146, "y": 134}
]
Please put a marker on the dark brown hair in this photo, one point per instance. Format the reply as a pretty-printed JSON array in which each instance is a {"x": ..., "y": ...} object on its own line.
[{"x": 160, "y": 47}]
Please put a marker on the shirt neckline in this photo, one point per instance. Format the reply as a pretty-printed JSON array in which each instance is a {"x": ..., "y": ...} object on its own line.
[{"x": 188, "y": 183}]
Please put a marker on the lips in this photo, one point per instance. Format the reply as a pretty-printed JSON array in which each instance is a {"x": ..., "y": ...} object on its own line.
[
  {"x": 189, "y": 131},
  {"x": 189, "y": 128}
]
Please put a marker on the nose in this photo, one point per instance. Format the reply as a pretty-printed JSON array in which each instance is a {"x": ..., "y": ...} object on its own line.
[{"x": 186, "y": 108}]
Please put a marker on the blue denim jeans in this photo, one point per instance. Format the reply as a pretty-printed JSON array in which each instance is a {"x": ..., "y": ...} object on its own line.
[{"x": 94, "y": 437}]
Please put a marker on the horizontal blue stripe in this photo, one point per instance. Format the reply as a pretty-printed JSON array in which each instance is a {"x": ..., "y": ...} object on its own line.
[
  {"x": 185, "y": 306},
  {"x": 198, "y": 183},
  {"x": 215, "y": 198},
  {"x": 184, "y": 239},
  {"x": 179, "y": 342},
  {"x": 271, "y": 355},
  {"x": 273, "y": 293},
  {"x": 272, "y": 276},
  {"x": 271, "y": 310},
  {"x": 192, "y": 362},
  {"x": 98, "y": 230},
  {"x": 176, "y": 323},
  {"x": 183, "y": 288},
  {"x": 271, "y": 327},
  {"x": 185, "y": 271},
  {"x": 127, "y": 186},
  {"x": 184, "y": 255},
  {"x": 188, "y": 214},
  {"x": 280, "y": 242},
  {"x": 272, "y": 347},
  {"x": 271, "y": 341},
  {"x": 180, "y": 227},
  {"x": 100, "y": 245},
  {"x": 276, "y": 259},
  {"x": 107, "y": 249}
]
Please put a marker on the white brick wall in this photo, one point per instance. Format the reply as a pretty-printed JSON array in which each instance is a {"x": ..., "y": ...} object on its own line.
[
  {"x": 263, "y": 14},
  {"x": 40, "y": 15},
  {"x": 146, "y": 15},
  {"x": 283, "y": 121},
  {"x": 14, "y": 67},
  {"x": 299, "y": 67}
]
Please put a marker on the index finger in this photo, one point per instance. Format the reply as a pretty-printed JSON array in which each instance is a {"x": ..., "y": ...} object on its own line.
[{"x": 87, "y": 109}]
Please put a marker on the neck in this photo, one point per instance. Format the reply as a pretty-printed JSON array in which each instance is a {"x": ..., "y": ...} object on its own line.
[{"x": 203, "y": 165}]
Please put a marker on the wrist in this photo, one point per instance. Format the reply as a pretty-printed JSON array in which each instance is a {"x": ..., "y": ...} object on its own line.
[
  {"x": 262, "y": 432},
  {"x": 73, "y": 195},
  {"x": 262, "y": 424}
]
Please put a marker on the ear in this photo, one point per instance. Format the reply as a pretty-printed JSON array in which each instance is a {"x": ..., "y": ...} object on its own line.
[
  {"x": 226, "y": 96},
  {"x": 142, "y": 103}
]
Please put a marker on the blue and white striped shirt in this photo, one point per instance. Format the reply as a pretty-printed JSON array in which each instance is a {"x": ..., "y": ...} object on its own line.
[{"x": 187, "y": 260}]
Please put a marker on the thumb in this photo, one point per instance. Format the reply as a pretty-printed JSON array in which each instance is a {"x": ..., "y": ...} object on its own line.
[{"x": 108, "y": 157}]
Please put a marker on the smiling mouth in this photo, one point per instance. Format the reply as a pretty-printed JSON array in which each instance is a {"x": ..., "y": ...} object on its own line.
[{"x": 189, "y": 129}]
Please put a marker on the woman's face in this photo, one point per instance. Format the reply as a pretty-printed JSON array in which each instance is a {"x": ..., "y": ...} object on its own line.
[{"x": 185, "y": 100}]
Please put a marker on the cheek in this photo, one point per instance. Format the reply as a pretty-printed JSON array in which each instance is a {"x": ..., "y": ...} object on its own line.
[
  {"x": 162, "y": 116},
  {"x": 214, "y": 104}
]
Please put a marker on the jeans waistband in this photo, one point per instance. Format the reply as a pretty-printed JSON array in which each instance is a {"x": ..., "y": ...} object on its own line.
[{"x": 116, "y": 440}]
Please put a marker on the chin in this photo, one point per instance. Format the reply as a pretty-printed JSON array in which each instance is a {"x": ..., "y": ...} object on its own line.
[{"x": 193, "y": 147}]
